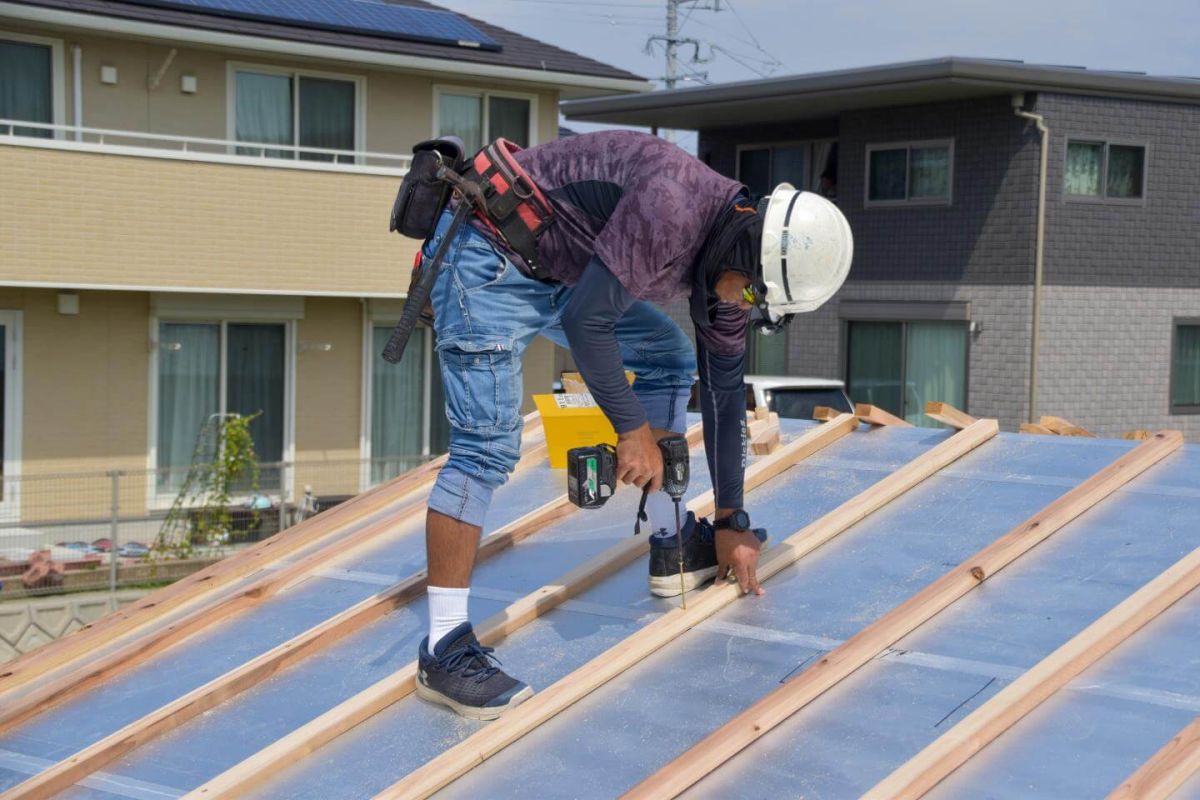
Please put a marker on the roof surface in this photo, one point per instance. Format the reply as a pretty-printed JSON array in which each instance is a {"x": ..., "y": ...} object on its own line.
[
  {"x": 1080, "y": 743},
  {"x": 825, "y": 94},
  {"x": 516, "y": 50}
]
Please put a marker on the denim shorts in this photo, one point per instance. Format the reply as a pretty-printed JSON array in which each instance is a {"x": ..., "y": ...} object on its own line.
[{"x": 487, "y": 312}]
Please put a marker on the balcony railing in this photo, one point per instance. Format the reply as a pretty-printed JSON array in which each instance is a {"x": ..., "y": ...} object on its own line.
[{"x": 195, "y": 148}]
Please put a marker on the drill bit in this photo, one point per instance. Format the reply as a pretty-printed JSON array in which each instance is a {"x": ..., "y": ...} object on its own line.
[{"x": 679, "y": 540}]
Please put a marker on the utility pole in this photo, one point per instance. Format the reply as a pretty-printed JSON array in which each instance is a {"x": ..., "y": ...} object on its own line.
[{"x": 672, "y": 41}]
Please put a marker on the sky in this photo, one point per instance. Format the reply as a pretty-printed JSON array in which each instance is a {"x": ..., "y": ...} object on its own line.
[{"x": 781, "y": 37}]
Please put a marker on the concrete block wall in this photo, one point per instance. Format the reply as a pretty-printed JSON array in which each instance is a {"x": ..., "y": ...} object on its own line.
[
  {"x": 29, "y": 624},
  {"x": 1106, "y": 357}
]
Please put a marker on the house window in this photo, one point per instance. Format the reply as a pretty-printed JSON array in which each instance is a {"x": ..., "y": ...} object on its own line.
[
  {"x": 1105, "y": 170},
  {"x": 26, "y": 86},
  {"x": 407, "y": 418},
  {"x": 481, "y": 117},
  {"x": 295, "y": 109},
  {"x": 1185, "y": 368},
  {"x": 214, "y": 368},
  {"x": 920, "y": 172},
  {"x": 805, "y": 165},
  {"x": 899, "y": 366}
]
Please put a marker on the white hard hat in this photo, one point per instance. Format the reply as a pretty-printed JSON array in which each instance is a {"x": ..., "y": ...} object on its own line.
[{"x": 806, "y": 251}]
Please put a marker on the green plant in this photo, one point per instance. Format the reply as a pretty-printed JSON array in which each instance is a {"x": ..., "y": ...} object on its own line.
[{"x": 201, "y": 511}]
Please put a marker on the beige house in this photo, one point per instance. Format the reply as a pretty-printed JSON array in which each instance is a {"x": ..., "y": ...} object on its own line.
[{"x": 156, "y": 269}]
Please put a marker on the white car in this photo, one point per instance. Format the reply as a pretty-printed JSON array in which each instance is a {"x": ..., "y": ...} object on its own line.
[
  {"x": 796, "y": 398},
  {"x": 789, "y": 397}
]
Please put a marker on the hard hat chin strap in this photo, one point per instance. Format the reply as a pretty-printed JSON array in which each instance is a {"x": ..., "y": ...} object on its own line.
[{"x": 767, "y": 322}]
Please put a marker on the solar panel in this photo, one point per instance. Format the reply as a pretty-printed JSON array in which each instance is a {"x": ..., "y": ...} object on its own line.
[{"x": 354, "y": 16}]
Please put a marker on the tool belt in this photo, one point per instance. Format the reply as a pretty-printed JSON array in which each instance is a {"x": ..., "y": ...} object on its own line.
[
  {"x": 513, "y": 207},
  {"x": 500, "y": 191},
  {"x": 493, "y": 186}
]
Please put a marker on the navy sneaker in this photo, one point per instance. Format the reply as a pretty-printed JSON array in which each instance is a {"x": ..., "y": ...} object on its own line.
[
  {"x": 460, "y": 674},
  {"x": 699, "y": 557}
]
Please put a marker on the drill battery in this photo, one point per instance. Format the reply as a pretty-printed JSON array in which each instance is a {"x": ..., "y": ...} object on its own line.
[
  {"x": 591, "y": 475},
  {"x": 592, "y": 471}
]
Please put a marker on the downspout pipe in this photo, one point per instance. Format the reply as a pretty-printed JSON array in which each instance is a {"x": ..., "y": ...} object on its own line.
[
  {"x": 77, "y": 90},
  {"x": 1018, "y": 102}
]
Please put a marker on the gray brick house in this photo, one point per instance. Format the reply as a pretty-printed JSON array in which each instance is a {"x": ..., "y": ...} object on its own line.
[{"x": 939, "y": 176}]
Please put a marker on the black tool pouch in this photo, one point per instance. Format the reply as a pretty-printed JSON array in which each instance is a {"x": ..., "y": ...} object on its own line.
[{"x": 423, "y": 195}]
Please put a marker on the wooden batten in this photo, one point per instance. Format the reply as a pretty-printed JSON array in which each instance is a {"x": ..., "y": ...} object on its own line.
[
  {"x": 44, "y": 695},
  {"x": 1034, "y": 428},
  {"x": 766, "y": 441},
  {"x": 1062, "y": 427},
  {"x": 765, "y": 434},
  {"x": 166, "y": 718},
  {"x": 866, "y": 645},
  {"x": 877, "y": 416},
  {"x": 824, "y": 413},
  {"x": 632, "y": 650},
  {"x": 1008, "y": 706},
  {"x": 197, "y": 587},
  {"x": 239, "y": 779},
  {"x": 1167, "y": 770},
  {"x": 948, "y": 415}
]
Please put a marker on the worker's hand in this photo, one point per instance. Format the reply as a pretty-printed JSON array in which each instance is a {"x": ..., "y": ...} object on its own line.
[
  {"x": 639, "y": 461},
  {"x": 731, "y": 288},
  {"x": 737, "y": 554}
]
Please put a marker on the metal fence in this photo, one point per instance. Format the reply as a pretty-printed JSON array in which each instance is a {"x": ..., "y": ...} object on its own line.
[{"x": 86, "y": 531}]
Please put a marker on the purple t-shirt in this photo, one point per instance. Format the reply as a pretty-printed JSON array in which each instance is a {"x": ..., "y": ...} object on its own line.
[{"x": 638, "y": 202}]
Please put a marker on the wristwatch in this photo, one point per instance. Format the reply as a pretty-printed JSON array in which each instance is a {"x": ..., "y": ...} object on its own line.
[{"x": 737, "y": 521}]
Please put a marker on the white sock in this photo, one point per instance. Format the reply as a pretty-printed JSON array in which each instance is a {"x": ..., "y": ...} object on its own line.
[
  {"x": 447, "y": 610},
  {"x": 661, "y": 510}
]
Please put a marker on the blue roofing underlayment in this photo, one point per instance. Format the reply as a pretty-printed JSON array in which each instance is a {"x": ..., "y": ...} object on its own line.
[{"x": 1081, "y": 743}]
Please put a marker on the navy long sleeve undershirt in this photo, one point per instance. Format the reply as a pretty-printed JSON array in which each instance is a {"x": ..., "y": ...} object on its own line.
[
  {"x": 589, "y": 320},
  {"x": 597, "y": 303},
  {"x": 722, "y": 393}
]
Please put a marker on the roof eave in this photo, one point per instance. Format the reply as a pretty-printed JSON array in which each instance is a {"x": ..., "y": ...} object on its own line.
[
  {"x": 969, "y": 75},
  {"x": 571, "y": 84}
]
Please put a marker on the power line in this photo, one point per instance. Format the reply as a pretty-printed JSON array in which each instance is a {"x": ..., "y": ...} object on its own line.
[
  {"x": 734, "y": 57},
  {"x": 769, "y": 61},
  {"x": 745, "y": 27}
]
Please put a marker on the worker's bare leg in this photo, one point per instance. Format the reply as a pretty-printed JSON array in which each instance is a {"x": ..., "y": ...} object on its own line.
[
  {"x": 450, "y": 547},
  {"x": 486, "y": 313}
]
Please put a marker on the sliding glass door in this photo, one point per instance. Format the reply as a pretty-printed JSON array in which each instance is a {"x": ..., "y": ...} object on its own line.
[
  {"x": 206, "y": 369},
  {"x": 899, "y": 366},
  {"x": 398, "y": 409},
  {"x": 26, "y": 86},
  {"x": 407, "y": 406}
]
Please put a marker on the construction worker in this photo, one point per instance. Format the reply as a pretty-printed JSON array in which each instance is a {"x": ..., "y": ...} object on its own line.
[{"x": 639, "y": 223}]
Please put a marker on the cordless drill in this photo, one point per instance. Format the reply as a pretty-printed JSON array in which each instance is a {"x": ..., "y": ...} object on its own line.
[{"x": 592, "y": 479}]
